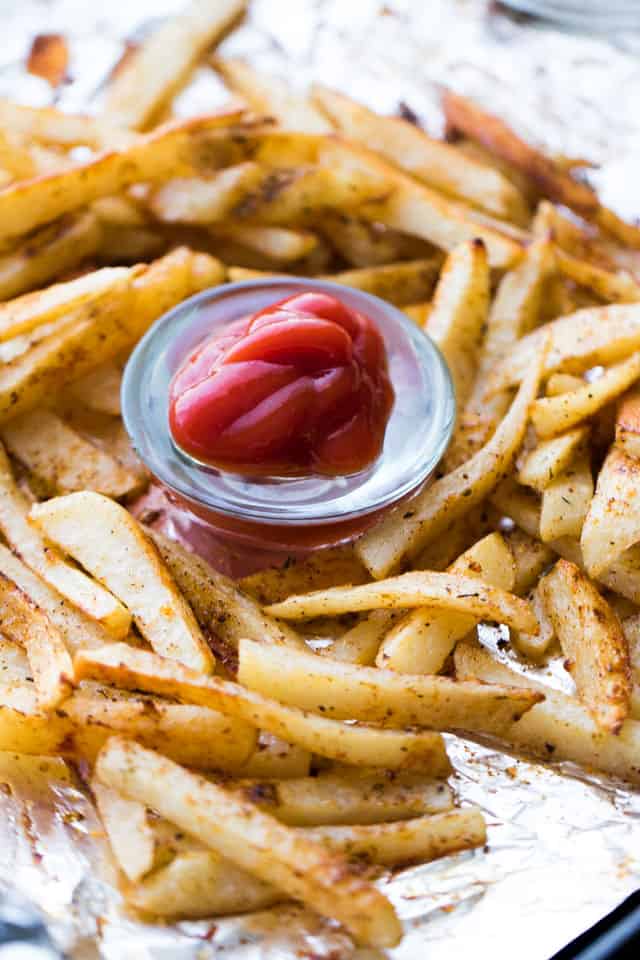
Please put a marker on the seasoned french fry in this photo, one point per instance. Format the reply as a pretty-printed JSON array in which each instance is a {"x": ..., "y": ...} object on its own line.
[
  {"x": 47, "y": 562},
  {"x": 343, "y": 691},
  {"x": 100, "y": 390},
  {"x": 274, "y": 758},
  {"x": 59, "y": 128},
  {"x": 628, "y": 423},
  {"x": 566, "y": 501},
  {"x": 550, "y": 458},
  {"x": 56, "y": 247},
  {"x": 612, "y": 523},
  {"x": 423, "y": 639},
  {"x": 128, "y": 830},
  {"x": 365, "y": 244},
  {"x": 458, "y": 316},
  {"x": 26, "y": 624},
  {"x": 273, "y": 97},
  {"x": 120, "y": 556},
  {"x": 592, "y": 641},
  {"x": 399, "y": 283},
  {"x": 615, "y": 287},
  {"x": 61, "y": 460},
  {"x": 357, "y": 745},
  {"x": 535, "y": 646},
  {"x": 553, "y": 415},
  {"x": 530, "y": 558},
  {"x": 277, "y": 243},
  {"x": 559, "y": 728},
  {"x": 327, "y": 568},
  {"x": 559, "y": 383},
  {"x": 158, "y": 67},
  {"x": 201, "y": 200},
  {"x": 437, "y": 164},
  {"x": 360, "y": 644},
  {"x": 405, "y": 530}
]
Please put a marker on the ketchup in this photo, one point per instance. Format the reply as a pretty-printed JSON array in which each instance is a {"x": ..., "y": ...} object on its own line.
[{"x": 301, "y": 387}]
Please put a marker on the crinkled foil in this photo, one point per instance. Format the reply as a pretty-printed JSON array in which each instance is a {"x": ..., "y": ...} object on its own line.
[{"x": 564, "y": 848}]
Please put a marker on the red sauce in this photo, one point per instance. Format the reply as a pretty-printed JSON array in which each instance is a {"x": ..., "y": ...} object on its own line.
[{"x": 301, "y": 387}]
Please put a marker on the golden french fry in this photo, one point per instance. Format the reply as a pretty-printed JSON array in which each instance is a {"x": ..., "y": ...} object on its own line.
[
  {"x": 59, "y": 128},
  {"x": 566, "y": 501},
  {"x": 399, "y": 283},
  {"x": 301, "y": 868},
  {"x": 204, "y": 200},
  {"x": 326, "y": 568},
  {"x": 530, "y": 557},
  {"x": 615, "y": 287},
  {"x": 535, "y": 646},
  {"x": 562, "y": 383},
  {"x": 628, "y": 423},
  {"x": 592, "y": 641},
  {"x": 360, "y": 644},
  {"x": 276, "y": 759},
  {"x": 100, "y": 390},
  {"x": 423, "y": 639},
  {"x": 365, "y": 244},
  {"x": 559, "y": 728},
  {"x": 612, "y": 523},
  {"x": 405, "y": 530},
  {"x": 105, "y": 539},
  {"x": 128, "y": 830},
  {"x": 276, "y": 243},
  {"x": 356, "y": 745},
  {"x": 550, "y": 458}
]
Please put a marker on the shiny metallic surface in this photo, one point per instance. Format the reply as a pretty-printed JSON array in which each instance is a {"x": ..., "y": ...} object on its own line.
[{"x": 564, "y": 847}]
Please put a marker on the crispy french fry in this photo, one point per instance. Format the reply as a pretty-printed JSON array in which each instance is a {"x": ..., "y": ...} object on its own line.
[
  {"x": 559, "y": 383},
  {"x": 530, "y": 557},
  {"x": 277, "y": 243},
  {"x": 342, "y": 690},
  {"x": 398, "y": 283},
  {"x": 207, "y": 200},
  {"x": 592, "y": 641},
  {"x": 628, "y": 423},
  {"x": 47, "y": 562},
  {"x": 128, "y": 830},
  {"x": 100, "y": 390},
  {"x": 535, "y": 646},
  {"x": 616, "y": 287},
  {"x": 119, "y": 555},
  {"x": 458, "y": 316},
  {"x": 365, "y": 244},
  {"x": 559, "y": 728},
  {"x": 553, "y": 415},
  {"x": 566, "y": 501},
  {"x": 612, "y": 523},
  {"x": 550, "y": 458},
  {"x": 356, "y": 745},
  {"x": 360, "y": 644},
  {"x": 61, "y": 460},
  {"x": 274, "y": 758},
  {"x": 272, "y": 96},
  {"x": 439, "y": 165},
  {"x": 26, "y": 624},
  {"x": 406, "y": 530},
  {"x": 423, "y": 639},
  {"x": 59, "y": 128},
  {"x": 326, "y": 568},
  {"x": 54, "y": 248}
]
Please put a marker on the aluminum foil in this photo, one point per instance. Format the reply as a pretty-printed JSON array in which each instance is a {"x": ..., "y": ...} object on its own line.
[{"x": 564, "y": 848}]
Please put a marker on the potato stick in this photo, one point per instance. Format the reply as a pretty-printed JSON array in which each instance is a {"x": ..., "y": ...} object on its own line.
[
  {"x": 559, "y": 728},
  {"x": 406, "y": 529},
  {"x": 531, "y": 557},
  {"x": 566, "y": 500},
  {"x": 360, "y": 644},
  {"x": 222, "y": 610},
  {"x": 628, "y": 423},
  {"x": 342, "y": 690},
  {"x": 592, "y": 641},
  {"x": 119, "y": 555},
  {"x": 550, "y": 458},
  {"x": 207, "y": 200},
  {"x": 301, "y": 868},
  {"x": 399, "y": 283},
  {"x": 536, "y": 646},
  {"x": 353, "y": 796},
  {"x": 59, "y": 128},
  {"x": 45, "y": 561},
  {"x": 356, "y": 745},
  {"x": 277, "y": 243},
  {"x": 164, "y": 152},
  {"x": 32, "y": 310},
  {"x": 325, "y": 568},
  {"x": 158, "y": 67},
  {"x": 100, "y": 389},
  {"x": 553, "y": 415},
  {"x": 423, "y": 639},
  {"x": 270, "y": 95},
  {"x": 128, "y": 830},
  {"x": 26, "y": 624},
  {"x": 596, "y": 335},
  {"x": 274, "y": 758},
  {"x": 61, "y": 460},
  {"x": 562, "y": 383},
  {"x": 615, "y": 287},
  {"x": 77, "y": 629},
  {"x": 468, "y": 118},
  {"x": 458, "y": 316},
  {"x": 365, "y": 244},
  {"x": 612, "y": 523},
  {"x": 437, "y": 164},
  {"x": 56, "y": 247}
]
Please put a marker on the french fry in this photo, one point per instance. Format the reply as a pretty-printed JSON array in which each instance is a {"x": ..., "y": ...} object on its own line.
[
  {"x": 628, "y": 423},
  {"x": 205, "y": 200},
  {"x": 535, "y": 646},
  {"x": 47, "y": 562},
  {"x": 276, "y": 243},
  {"x": 128, "y": 830},
  {"x": 437, "y": 164},
  {"x": 458, "y": 316},
  {"x": 423, "y": 639},
  {"x": 399, "y": 283},
  {"x": 61, "y": 460},
  {"x": 119, "y": 555},
  {"x": 274, "y": 758},
  {"x": 559, "y": 383},
  {"x": 365, "y": 244},
  {"x": 550, "y": 458},
  {"x": 269, "y": 95},
  {"x": 301, "y": 868},
  {"x": 222, "y": 610},
  {"x": 616, "y": 287},
  {"x": 612, "y": 523},
  {"x": 159, "y": 66},
  {"x": 406, "y": 529},
  {"x": 441, "y": 591},
  {"x": 520, "y": 505},
  {"x": 54, "y": 248},
  {"x": 129, "y": 245},
  {"x": 327, "y": 568},
  {"x": 356, "y": 745},
  {"x": 59, "y": 128},
  {"x": 566, "y": 501},
  {"x": 360, "y": 644},
  {"x": 100, "y": 390},
  {"x": 559, "y": 728},
  {"x": 26, "y": 624},
  {"x": 553, "y": 415},
  {"x": 343, "y": 691},
  {"x": 593, "y": 643},
  {"x": 531, "y": 557}
]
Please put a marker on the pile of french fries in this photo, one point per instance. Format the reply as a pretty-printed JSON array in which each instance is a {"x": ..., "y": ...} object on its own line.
[{"x": 235, "y": 764}]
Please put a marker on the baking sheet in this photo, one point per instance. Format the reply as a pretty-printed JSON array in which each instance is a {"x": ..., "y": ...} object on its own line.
[{"x": 563, "y": 849}]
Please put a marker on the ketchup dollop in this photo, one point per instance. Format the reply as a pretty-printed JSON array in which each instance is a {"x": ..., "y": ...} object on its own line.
[{"x": 301, "y": 387}]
